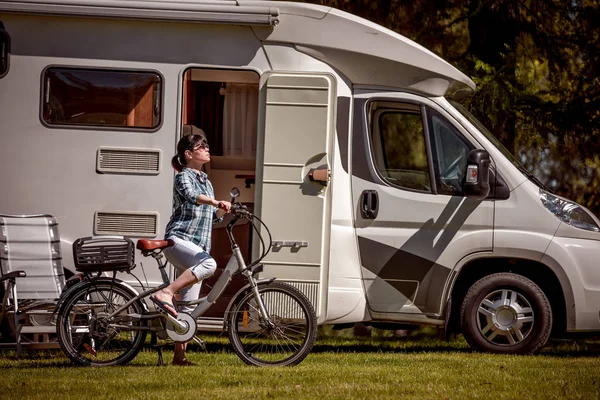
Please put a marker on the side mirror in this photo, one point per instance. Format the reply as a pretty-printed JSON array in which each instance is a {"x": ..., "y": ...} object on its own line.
[
  {"x": 235, "y": 192},
  {"x": 477, "y": 180}
]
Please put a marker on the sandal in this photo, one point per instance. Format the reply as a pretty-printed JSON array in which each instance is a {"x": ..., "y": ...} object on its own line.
[
  {"x": 164, "y": 306},
  {"x": 184, "y": 363}
]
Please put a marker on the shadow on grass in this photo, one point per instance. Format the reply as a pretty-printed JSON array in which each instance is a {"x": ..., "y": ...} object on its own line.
[{"x": 415, "y": 343}]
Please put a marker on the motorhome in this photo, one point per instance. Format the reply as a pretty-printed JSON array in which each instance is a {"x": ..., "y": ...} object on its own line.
[{"x": 388, "y": 202}]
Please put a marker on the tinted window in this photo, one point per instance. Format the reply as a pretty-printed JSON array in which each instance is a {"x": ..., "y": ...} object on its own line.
[
  {"x": 4, "y": 51},
  {"x": 101, "y": 98},
  {"x": 399, "y": 147},
  {"x": 450, "y": 151}
]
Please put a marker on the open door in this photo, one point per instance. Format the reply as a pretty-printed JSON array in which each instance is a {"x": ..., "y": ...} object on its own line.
[{"x": 293, "y": 185}]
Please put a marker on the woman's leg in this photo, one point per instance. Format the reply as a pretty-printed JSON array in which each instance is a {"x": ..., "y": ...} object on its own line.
[
  {"x": 196, "y": 265},
  {"x": 165, "y": 295}
]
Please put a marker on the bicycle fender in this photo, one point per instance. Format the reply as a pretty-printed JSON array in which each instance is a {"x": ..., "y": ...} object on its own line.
[
  {"x": 67, "y": 293},
  {"x": 240, "y": 293}
]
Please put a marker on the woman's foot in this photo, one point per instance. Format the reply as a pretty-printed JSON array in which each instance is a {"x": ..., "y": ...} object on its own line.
[
  {"x": 164, "y": 300},
  {"x": 179, "y": 357},
  {"x": 184, "y": 362}
]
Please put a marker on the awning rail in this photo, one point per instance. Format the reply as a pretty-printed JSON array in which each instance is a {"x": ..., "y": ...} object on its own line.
[{"x": 207, "y": 12}]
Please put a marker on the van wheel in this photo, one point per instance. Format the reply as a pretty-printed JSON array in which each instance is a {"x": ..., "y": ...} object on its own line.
[{"x": 506, "y": 313}]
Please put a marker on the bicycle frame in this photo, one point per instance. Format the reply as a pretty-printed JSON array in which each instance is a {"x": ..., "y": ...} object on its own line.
[
  {"x": 235, "y": 265},
  {"x": 285, "y": 335}
]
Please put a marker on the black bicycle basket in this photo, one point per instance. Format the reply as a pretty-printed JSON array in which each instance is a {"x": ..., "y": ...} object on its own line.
[{"x": 99, "y": 253}]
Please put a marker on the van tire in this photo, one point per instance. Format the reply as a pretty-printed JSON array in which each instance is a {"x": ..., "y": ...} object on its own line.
[{"x": 506, "y": 313}]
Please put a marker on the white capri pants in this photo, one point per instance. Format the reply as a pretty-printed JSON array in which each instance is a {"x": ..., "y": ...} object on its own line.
[{"x": 186, "y": 255}]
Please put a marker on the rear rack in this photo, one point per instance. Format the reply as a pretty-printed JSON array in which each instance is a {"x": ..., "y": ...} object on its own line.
[{"x": 103, "y": 253}]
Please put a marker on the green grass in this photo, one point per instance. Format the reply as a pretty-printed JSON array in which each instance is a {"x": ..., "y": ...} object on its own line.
[{"x": 340, "y": 367}]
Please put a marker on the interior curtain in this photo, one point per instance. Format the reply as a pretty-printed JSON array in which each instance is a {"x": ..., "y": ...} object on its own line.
[
  {"x": 240, "y": 119},
  {"x": 208, "y": 113}
]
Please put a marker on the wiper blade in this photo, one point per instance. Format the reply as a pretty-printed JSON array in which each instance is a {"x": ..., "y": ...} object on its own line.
[{"x": 533, "y": 178}]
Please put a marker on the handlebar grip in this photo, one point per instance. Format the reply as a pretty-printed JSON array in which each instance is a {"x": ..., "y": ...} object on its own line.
[{"x": 239, "y": 209}]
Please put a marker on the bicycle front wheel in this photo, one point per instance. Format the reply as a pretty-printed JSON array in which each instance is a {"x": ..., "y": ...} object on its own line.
[
  {"x": 87, "y": 332},
  {"x": 289, "y": 336}
]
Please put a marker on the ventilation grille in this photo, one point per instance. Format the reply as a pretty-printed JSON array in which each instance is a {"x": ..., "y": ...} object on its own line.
[
  {"x": 126, "y": 224},
  {"x": 310, "y": 290},
  {"x": 128, "y": 161}
]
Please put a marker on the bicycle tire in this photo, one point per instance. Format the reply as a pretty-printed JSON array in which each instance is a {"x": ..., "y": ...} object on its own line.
[
  {"x": 288, "y": 342},
  {"x": 84, "y": 333}
]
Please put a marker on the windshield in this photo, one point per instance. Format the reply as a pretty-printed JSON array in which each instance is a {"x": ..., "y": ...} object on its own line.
[{"x": 467, "y": 114}]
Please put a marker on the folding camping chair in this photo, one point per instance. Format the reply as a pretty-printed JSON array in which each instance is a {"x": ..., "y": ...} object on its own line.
[{"x": 32, "y": 278}]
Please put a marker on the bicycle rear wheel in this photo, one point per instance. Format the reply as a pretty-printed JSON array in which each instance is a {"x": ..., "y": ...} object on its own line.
[
  {"x": 87, "y": 334},
  {"x": 290, "y": 337}
]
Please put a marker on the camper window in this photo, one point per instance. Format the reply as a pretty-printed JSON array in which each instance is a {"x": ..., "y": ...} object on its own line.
[
  {"x": 399, "y": 148},
  {"x": 450, "y": 151},
  {"x": 101, "y": 98},
  {"x": 4, "y": 51}
]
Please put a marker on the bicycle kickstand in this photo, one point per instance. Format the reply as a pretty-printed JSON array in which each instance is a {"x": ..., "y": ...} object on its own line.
[
  {"x": 200, "y": 342},
  {"x": 160, "y": 362},
  {"x": 154, "y": 343}
]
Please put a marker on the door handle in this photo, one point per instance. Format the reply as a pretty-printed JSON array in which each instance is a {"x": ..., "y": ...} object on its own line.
[
  {"x": 319, "y": 175},
  {"x": 369, "y": 204}
]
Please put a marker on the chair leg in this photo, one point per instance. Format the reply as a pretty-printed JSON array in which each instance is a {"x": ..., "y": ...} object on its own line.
[{"x": 18, "y": 328}]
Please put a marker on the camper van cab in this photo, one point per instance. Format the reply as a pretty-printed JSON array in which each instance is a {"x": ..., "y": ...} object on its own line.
[{"x": 417, "y": 214}]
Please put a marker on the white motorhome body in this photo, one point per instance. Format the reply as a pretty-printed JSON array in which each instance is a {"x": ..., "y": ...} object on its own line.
[{"x": 94, "y": 96}]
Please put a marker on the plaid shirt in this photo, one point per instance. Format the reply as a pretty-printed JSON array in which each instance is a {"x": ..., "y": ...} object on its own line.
[{"x": 191, "y": 221}]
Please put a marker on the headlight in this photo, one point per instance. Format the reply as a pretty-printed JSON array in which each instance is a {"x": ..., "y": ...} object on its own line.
[{"x": 569, "y": 212}]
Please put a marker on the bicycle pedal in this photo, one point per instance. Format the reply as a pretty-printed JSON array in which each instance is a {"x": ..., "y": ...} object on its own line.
[
  {"x": 200, "y": 342},
  {"x": 90, "y": 349}
]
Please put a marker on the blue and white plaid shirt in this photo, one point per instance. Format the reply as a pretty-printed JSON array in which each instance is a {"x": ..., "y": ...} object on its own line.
[{"x": 191, "y": 221}]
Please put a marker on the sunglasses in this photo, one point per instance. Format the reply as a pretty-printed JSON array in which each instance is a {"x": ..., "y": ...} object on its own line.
[{"x": 203, "y": 145}]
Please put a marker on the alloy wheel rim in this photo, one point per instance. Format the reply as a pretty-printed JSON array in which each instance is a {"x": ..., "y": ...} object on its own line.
[{"x": 505, "y": 317}]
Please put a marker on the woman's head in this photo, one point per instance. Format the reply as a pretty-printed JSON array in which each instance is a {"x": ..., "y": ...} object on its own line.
[{"x": 192, "y": 150}]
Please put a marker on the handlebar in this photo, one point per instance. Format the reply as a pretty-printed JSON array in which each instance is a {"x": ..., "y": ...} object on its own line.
[{"x": 239, "y": 211}]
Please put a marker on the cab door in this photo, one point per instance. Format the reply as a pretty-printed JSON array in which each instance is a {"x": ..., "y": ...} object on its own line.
[
  {"x": 293, "y": 182},
  {"x": 413, "y": 223}
]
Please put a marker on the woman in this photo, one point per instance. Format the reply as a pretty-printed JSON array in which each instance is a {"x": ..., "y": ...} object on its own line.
[{"x": 194, "y": 210}]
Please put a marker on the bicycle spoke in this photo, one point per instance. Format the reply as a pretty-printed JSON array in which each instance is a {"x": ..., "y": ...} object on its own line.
[
  {"x": 288, "y": 336},
  {"x": 88, "y": 333}
]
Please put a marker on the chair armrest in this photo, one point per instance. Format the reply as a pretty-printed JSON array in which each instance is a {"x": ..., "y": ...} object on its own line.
[{"x": 12, "y": 275}]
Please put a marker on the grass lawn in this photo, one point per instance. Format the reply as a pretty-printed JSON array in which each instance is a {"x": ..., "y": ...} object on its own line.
[{"x": 418, "y": 366}]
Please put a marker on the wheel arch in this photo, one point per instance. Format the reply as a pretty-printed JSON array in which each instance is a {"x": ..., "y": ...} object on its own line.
[{"x": 550, "y": 278}]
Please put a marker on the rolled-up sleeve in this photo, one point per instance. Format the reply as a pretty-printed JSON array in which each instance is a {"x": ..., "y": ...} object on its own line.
[{"x": 185, "y": 187}]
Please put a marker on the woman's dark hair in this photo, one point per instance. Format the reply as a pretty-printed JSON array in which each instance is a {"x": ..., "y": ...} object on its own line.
[{"x": 188, "y": 142}]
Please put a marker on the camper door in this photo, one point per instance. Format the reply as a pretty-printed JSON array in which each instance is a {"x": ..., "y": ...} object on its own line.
[
  {"x": 293, "y": 178},
  {"x": 413, "y": 222}
]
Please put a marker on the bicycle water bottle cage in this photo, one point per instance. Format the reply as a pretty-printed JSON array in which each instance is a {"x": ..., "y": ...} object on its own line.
[{"x": 108, "y": 253}]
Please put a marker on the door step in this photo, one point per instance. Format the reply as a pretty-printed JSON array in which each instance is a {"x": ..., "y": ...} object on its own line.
[{"x": 210, "y": 324}]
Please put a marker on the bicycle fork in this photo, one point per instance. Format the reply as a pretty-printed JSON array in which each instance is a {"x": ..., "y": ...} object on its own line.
[{"x": 261, "y": 305}]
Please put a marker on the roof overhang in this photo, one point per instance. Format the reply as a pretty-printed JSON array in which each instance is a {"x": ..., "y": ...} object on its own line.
[{"x": 367, "y": 53}]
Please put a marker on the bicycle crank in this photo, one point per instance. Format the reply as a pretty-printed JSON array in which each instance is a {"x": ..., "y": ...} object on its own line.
[{"x": 186, "y": 329}]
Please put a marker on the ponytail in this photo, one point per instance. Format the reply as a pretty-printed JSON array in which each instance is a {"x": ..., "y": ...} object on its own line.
[{"x": 176, "y": 164}]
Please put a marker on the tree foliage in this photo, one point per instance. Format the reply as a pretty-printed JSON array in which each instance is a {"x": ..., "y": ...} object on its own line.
[{"x": 537, "y": 69}]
